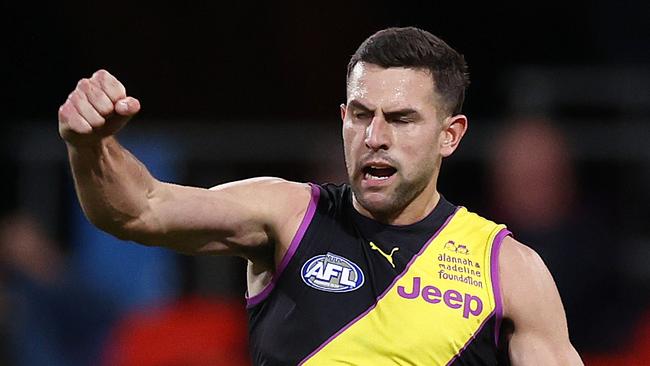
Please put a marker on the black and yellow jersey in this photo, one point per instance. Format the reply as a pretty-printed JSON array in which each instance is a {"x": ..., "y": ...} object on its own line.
[{"x": 353, "y": 291}]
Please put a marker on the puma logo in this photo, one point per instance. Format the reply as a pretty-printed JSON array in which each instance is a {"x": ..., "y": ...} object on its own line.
[{"x": 389, "y": 257}]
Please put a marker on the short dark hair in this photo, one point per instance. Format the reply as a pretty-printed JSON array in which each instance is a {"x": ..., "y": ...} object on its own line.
[{"x": 416, "y": 48}]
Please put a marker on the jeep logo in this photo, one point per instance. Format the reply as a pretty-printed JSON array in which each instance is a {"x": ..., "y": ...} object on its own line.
[{"x": 468, "y": 303}]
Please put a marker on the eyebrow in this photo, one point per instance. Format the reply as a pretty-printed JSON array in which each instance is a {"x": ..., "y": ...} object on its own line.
[
  {"x": 399, "y": 112},
  {"x": 402, "y": 112},
  {"x": 359, "y": 105}
]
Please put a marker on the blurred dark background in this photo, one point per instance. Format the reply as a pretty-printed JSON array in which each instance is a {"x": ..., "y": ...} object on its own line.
[{"x": 557, "y": 149}]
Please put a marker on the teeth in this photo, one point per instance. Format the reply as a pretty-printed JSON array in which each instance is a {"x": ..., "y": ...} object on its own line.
[{"x": 370, "y": 176}]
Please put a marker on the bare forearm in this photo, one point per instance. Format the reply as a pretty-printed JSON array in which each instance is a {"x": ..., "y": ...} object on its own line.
[
  {"x": 119, "y": 196},
  {"x": 112, "y": 185}
]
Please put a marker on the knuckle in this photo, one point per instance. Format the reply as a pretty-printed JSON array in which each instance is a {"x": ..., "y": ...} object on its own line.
[
  {"x": 97, "y": 98},
  {"x": 101, "y": 73},
  {"x": 113, "y": 88},
  {"x": 66, "y": 112},
  {"x": 83, "y": 83},
  {"x": 94, "y": 92},
  {"x": 63, "y": 111},
  {"x": 98, "y": 79},
  {"x": 102, "y": 78},
  {"x": 74, "y": 97}
]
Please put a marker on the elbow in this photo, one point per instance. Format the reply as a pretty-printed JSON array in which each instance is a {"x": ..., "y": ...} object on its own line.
[
  {"x": 132, "y": 229},
  {"x": 100, "y": 219},
  {"x": 109, "y": 226}
]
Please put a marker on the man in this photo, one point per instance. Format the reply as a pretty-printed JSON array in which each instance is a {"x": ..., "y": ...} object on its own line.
[{"x": 378, "y": 272}]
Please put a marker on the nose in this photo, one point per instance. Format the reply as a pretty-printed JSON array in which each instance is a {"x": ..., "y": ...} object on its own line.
[{"x": 378, "y": 134}]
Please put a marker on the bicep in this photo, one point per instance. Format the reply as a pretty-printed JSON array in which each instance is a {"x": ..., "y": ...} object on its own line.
[
  {"x": 234, "y": 218},
  {"x": 532, "y": 303}
]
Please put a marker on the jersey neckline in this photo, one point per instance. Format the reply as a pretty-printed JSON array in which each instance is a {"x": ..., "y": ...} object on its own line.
[{"x": 438, "y": 215}]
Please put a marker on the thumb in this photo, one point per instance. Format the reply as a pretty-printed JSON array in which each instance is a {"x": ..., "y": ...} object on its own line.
[{"x": 127, "y": 106}]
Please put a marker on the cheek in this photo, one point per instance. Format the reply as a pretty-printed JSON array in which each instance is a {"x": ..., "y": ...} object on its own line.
[
  {"x": 348, "y": 148},
  {"x": 420, "y": 157},
  {"x": 350, "y": 137}
]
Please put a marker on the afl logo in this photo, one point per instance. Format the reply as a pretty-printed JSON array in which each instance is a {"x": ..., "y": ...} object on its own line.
[{"x": 332, "y": 273}]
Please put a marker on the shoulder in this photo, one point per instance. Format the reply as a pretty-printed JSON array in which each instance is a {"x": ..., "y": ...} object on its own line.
[
  {"x": 525, "y": 278},
  {"x": 516, "y": 256}
]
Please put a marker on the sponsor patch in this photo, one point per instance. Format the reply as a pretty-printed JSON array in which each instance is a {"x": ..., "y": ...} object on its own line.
[
  {"x": 468, "y": 303},
  {"x": 332, "y": 273}
]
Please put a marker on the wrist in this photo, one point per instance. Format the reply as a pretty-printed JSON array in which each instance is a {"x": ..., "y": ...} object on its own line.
[{"x": 86, "y": 144}]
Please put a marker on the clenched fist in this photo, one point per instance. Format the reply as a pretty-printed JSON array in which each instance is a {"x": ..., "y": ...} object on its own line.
[{"x": 98, "y": 107}]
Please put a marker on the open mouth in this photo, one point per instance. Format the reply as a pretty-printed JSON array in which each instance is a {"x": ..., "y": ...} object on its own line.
[{"x": 377, "y": 172}]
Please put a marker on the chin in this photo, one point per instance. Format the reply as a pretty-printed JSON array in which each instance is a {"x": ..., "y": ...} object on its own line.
[{"x": 377, "y": 203}]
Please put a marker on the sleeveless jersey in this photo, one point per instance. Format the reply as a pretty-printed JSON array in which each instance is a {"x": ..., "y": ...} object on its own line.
[{"x": 353, "y": 291}]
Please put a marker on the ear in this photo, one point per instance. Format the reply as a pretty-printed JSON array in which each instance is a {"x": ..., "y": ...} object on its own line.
[
  {"x": 453, "y": 130},
  {"x": 343, "y": 110}
]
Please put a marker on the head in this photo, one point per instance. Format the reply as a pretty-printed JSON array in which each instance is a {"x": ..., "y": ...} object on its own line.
[{"x": 405, "y": 90}]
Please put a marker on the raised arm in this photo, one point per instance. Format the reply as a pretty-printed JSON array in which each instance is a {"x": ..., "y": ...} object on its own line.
[
  {"x": 249, "y": 218},
  {"x": 532, "y": 303}
]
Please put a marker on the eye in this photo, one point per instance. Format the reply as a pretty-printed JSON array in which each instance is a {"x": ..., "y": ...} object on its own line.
[
  {"x": 361, "y": 115},
  {"x": 402, "y": 120}
]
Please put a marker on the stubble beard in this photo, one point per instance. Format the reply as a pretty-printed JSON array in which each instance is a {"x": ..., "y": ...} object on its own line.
[{"x": 399, "y": 197}]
